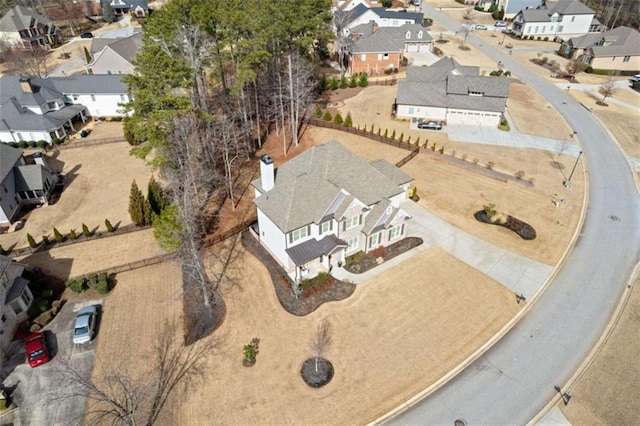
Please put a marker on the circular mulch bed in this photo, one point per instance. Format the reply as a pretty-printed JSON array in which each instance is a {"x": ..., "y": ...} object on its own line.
[
  {"x": 523, "y": 229},
  {"x": 316, "y": 372}
]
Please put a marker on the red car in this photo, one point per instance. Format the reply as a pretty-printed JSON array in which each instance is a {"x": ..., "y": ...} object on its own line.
[{"x": 37, "y": 352}]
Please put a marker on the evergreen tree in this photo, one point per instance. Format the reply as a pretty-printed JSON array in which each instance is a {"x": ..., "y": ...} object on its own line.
[
  {"x": 343, "y": 82},
  {"x": 87, "y": 56},
  {"x": 72, "y": 234},
  {"x": 57, "y": 235},
  {"x": 109, "y": 226},
  {"x": 107, "y": 11},
  {"x": 348, "y": 121},
  {"x": 156, "y": 198},
  {"x": 364, "y": 80},
  {"x": 31, "y": 241},
  {"x": 327, "y": 116},
  {"x": 167, "y": 229},
  {"x": 85, "y": 231},
  {"x": 337, "y": 119},
  {"x": 136, "y": 205}
]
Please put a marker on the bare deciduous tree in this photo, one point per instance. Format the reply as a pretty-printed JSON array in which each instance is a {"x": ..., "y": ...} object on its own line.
[
  {"x": 468, "y": 13},
  {"x": 572, "y": 67},
  {"x": 122, "y": 398},
  {"x": 321, "y": 341},
  {"x": 607, "y": 88},
  {"x": 27, "y": 62}
]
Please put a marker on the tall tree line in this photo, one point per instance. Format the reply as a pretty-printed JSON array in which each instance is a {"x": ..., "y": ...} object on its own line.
[
  {"x": 614, "y": 13},
  {"x": 212, "y": 77}
]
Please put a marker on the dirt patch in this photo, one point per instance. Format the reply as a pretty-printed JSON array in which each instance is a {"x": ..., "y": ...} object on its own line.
[
  {"x": 528, "y": 109},
  {"x": 607, "y": 394}
]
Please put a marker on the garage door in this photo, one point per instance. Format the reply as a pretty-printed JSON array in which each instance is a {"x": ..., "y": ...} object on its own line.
[
  {"x": 412, "y": 47},
  {"x": 424, "y": 48}
]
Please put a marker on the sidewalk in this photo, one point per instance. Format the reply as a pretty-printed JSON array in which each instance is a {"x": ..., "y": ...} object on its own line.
[{"x": 521, "y": 275}]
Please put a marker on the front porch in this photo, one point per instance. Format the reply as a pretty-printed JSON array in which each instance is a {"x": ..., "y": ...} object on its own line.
[{"x": 315, "y": 256}]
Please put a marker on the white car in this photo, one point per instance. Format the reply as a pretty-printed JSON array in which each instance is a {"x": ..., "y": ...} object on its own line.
[
  {"x": 480, "y": 27},
  {"x": 500, "y": 24},
  {"x": 635, "y": 78}
]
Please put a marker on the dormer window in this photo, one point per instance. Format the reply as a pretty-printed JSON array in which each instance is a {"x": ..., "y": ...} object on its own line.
[
  {"x": 408, "y": 35},
  {"x": 472, "y": 93},
  {"x": 419, "y": 34}
]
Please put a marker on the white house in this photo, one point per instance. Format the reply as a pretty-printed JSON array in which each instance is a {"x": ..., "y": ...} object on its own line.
[
  {"x": 326, "y": 204},
  {"x": 114, "y": 56},
  {"x": 361, "y": 14},
  {"x": 557, "y": 21},
  {"x": 24, "y": 28},
  {"x": 448, "y": 91},
  {"x": 15, "y": 299},
  {"x": 22, "y": 183},
  {"x": 47, "y": 108}
]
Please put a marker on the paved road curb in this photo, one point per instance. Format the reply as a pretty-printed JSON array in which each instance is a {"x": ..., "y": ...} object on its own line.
[{"x": 484, "y": 348}]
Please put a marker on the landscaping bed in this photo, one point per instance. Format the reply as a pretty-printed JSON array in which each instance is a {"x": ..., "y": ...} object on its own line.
[
  {"x": 362, "y": 262},
  {"x": 317, "y": 292},
  {"x": 523, "y": 229}
]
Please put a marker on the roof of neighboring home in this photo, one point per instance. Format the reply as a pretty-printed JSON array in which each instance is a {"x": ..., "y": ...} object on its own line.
[
  {"x": 307, "y": 185},
  {"x": 19, "y": 18},
  {"x": 361, "y": 9},
  {"x": 620, "y": 41},
  {"x": 536, "y": 15},
  {"x": 31, "y": 177},
  {"x": 443, "y": 85},
  {"x": 132, "y": 4},
  {"x": 562, "y": 7},
  {"x": 388, "y": 39},
  {"x": 127, "y": 47},
  {"x": 515, "y": 6},
  {"x": 8, "y": 158}
]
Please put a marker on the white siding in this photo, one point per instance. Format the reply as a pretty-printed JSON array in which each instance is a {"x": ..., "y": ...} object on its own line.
[
  {"x": 109, "y": 62},
  {"x": 105, "y": 105},
  {"x": 473, "y": 118},
  {"x": 273, "y": 238}
]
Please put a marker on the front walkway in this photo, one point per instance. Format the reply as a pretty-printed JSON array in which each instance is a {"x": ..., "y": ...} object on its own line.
[{"x": 521, "y": 275}]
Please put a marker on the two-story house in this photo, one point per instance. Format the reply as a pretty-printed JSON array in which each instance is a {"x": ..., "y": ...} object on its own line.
[
  {"x": 453, "y": 93},
  {"x": 376, "y": 49},
  {"x": 137, "y": 8},
  {"x": 22, "y": 27},
  {"x": 326, "y": 204},
  {"x": 617, "y": 49},
  {"x": 556, "y": 21},
  {"x": 22, "y": 183},
  {"x": 15, "y": 299},
  {"x": 115, "y": 55},
  {"x": 361, "y": 14},
  {"x": 34, "y": 109}
]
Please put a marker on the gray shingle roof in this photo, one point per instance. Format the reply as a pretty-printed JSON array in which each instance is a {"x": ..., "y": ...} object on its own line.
[
  {"x": 620, "y": 41},
  {"x": 31, "y": 177},
  {"x": 515, "y": 6},
  {"x": 442, "y": 85},
  {"x": 19, "y": 18},
  {"x": 16, "y": 289},
  {"x": 569, "y": 7},
  {"x": 8, "y": 158},
  {"x": 127, "y": 47},
  {"x": 388, "y": 39},
  {"x": 536, "y": 15},
  {"x": 306, "y": 185},
  {"x": 396, "y": 175},
  {"x": 313, "y": 249}
]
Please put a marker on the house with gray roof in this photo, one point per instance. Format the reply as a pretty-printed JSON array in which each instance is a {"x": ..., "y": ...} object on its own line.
[
  {"x": 375, "y": 49},
  {"x": 35, "y": 109},
  {"x": 326, "y": 204},
  {"x": 556, "y": 21},
  {"x": 24, "y": 28},
  {"x": 115, "y": 55},
  {"x": 22, "y": 183},
  {"x": 616, "y": 50},
  {"x": 15, "y": 299},
  {"x": 447, "y": 91},
  {"x": 346, "y": 20},
  {"x": 137, "y": 8}
]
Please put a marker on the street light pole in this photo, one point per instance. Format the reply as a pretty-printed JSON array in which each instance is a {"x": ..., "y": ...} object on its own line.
[{"x": 567, "y": 183}]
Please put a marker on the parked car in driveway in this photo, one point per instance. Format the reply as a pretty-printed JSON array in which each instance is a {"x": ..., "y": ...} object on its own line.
[
  {"x": 86, "y": 35},
  {"x": 480, "y": 27},
  {"x": 635, "y": 77},
  {"x": 500, "y": 24},
  {"x": 37, "y": 351},
  {"x": 85, "y": 325},
  {"x": 430, "y": 125}
]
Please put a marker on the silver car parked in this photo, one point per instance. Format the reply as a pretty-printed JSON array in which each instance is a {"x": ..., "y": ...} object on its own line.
[{"x": 85, "y": 325}]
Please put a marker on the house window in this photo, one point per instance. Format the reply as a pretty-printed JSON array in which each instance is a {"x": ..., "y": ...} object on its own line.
[
  {"x": 394, "y": 22},
  {"x": 93, "y": 98},
  {"x": 17, "y": 309},
  {"x": 408, "y": 35},
  {"x": 528, "y": 30},
  {"x": 122, "y": 98},
  {"x": 537, "y": 29},
  {"x": 352, "y": 244},
  {"x": 363, "y": 57},
  {"x": 560, "y": 27},
  {"x": 419, "y": 34},
  {"x": 573, "y": 18},
  {"x": 352, "y": 222},
  {"x": 395, "y": 232},
  {"x": 26, "y": 297},
  {"x": 411, "y": 110},
  {"x": 374, "y": 240},
  {"x": 544, "y": 28},
  {"x": 386, "y": 56},
  {"x": 326, "y": 227},
  {"x": 299, "y": 234},
  {"x": 379, "y": 56},
  {"x": 626, "y": 59},
  {"x": 613, "y": 59}
]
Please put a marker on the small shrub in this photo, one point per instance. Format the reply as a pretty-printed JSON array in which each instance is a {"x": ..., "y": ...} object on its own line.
[
  {"x": 42, "y": 143},
  {"x": 343, "y": 82},
  {"x": 546, "y": 39},
  {"x": 338, "y": 119},
  {"x": 401, "y": 137},
  {"x": 22, "y": 144},
  {"x": 507, "y": 73},
  {"x": 250, "y": 351},
  {"x": 348, "y": 121},
  {"x": 353, "y": 82},
  {"x": 73, "y": 235},
  {"x": 318, "y": 112},
  {"x": 475, "y": 161},
  {"x": 57, "y": 235},
  {"x": 441, "y": 150},
  {"x": 334, "y": 83},
  {"x": 372, "y": 128},
  {"x": 393, "y": 135},
  {"x": 364, "y": 80},
  {"x": 490, "y": 210},
  {"x": 519, "y": 174},
  {"x": 102, "y": 287},
  {"x": 13, "y": 144},
  {"x": 2, "y": 249},
  {"x": 418, "y": 142},
  {"x": 490, "y": 165},
  {"x": 354, "y": 258},
  {"x": 45, "y": 239},
  {"x": 33, "y": 144},
  {"x": 59, "y": 141},
  {"x": 433, "y": 147},
  {"x": 85, "y": 231},
  {"x": 108, "y": 225},
  {"x": 31, "y": 241},
  {"x": 379, "y": 132},
  {"x": 386, "y": 133},
  {"x": 395, "y": 70},
  {"x": 327, "y": 116},
  {"x": 409, "y": 140},
  {"x": 453, "y": 153},
  {"x": 77, "y": 286},
  {"x": 464, "y": 157},
  {"x": 388, "y": 71},
  {"x": 589, "y": 69},
  {"x": 324, "y": 83}
]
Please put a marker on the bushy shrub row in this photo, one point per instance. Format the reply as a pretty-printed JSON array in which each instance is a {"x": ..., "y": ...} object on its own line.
[{"x": 335, "y": 83}]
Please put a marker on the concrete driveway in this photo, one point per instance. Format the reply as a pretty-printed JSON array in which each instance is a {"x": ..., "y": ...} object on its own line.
[{"x": 35, "y": 390}]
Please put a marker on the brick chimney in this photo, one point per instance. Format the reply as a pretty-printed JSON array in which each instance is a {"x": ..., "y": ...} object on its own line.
[
  {"x": 267, "y": 173},
  {"x": 25, "y": 85}
]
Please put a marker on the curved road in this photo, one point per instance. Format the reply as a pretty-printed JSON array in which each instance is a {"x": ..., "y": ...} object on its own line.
[{"x": 515, "y": 379}]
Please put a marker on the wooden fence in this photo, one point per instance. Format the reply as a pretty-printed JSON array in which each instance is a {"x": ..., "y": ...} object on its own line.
[
  {"x": 383, "y": 82},
  {"x": 129, "y": 266},
  {"x": 379, "y": 138},
  {"x": 92, "y": 142}
]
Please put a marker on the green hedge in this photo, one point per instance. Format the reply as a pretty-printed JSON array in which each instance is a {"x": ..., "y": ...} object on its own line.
[{"x": 77, "y": 286}]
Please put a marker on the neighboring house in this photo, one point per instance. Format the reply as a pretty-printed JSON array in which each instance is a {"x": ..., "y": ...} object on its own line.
[
  {"x": 560, "y": 20},
  {"x": 138, "y": 8},
  {"x": 347, "y": 5},
  {"x": 22, "y": 183},
  {"x": 47, "y": 108},
  {"x": 22, "y": 27},
  {"x": 617, "y": 49},
  {"x": 376, "y": 49},
  {"x": 453, "y": 93},
  {"x": 15, "y": 299},
  {"x": 512, "y": 7},
  {"x": 114, "y": 56},
  {"x": 326, "y": 204},
  {"x": 361, "y": 14}
]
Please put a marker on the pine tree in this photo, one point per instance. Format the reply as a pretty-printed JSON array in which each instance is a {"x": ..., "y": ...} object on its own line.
[
  {"x": 318, "y": 112},
  {"x": 57, "y": 235},
  {"x": 401, "y": 137},
  {"x": 107, "y": 11},
  {"x": 136, "y": 205},
  {"x": 85, "y": 231},
  {"x": 327, "y": 116},
  {"x": 156, "y": 198},
  {"x": 73, "y": 235},
  {"x": 393, "y": 135},
  {"x": 348, "y": 121},
  {"x": 337, "y": 119},
  {"x": 31, "y": 241},
  {"x": 87, "y": 56},
  {"x": 109, "y": 226}
]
